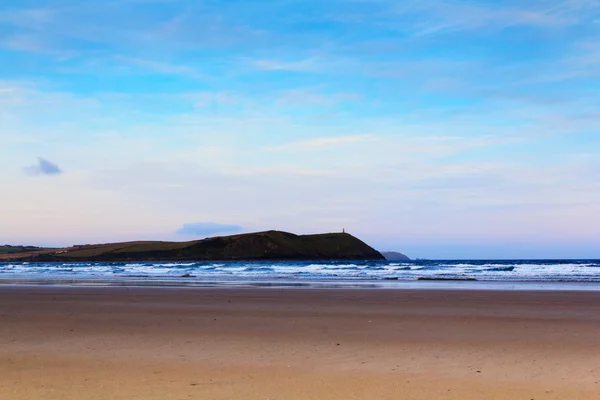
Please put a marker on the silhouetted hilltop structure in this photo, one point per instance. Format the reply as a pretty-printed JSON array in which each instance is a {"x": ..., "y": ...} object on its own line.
[{"x": 270, "y": 245}]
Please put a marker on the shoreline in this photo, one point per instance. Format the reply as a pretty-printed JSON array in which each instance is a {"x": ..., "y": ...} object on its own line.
[
  {"x": 257, "y": 343},
  {"x": 291, "y": 284}
]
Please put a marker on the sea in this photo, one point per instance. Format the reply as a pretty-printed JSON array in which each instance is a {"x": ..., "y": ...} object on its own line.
[{"x": 476, "y": 274}]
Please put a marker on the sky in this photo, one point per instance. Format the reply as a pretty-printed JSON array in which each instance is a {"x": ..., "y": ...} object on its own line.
[{"x": 442, "y": 129}]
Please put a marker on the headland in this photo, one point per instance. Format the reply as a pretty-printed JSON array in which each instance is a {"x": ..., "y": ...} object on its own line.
[{"x": 269, "y": 245}]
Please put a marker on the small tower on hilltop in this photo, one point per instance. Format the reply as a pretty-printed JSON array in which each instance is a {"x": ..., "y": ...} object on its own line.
[{"x": 343, "y": 230}]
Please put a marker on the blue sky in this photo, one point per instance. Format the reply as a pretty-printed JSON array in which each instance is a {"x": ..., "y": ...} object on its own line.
[{"x": 443, "y": 129}]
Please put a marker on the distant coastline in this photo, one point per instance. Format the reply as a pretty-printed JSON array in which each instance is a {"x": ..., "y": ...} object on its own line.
[
  {"x": 395, "y": 256},
  {"x": 268, "y": 245}
]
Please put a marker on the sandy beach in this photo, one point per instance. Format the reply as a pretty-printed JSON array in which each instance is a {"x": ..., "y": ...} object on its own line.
[{"x": 143, "y": 343}]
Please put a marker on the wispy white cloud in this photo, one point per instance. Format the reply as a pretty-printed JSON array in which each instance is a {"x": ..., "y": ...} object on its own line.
[
  {"x": 161, "y": 67},
  {"x": 23, "y": 42},
  {"x": 444, "y": 16},
  {"x": 280, "y": 170},
  {"x": 216, "y": 99},
  {"x": 306, "y": 65},
  {"x": 324, "y": 142},
  {"x": 32, "y": 18},
  {"x": 308, "y": 97},
  {"x": 587, "y": 55},
  {"x": 470, "y": 16}
]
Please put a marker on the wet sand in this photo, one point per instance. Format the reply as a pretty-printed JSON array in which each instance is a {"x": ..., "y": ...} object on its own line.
[{"x": 143, "y": 343}]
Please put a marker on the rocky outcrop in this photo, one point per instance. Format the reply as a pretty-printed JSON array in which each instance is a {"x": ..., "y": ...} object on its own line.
[{"x": 394, "y": 256}]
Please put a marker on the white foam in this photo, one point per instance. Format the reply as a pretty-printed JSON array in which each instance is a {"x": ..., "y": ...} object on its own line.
[{"x": 488, "y": 271}]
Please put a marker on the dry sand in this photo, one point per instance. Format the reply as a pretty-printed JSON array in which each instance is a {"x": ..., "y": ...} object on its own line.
[{"x": 140, "y": 343}]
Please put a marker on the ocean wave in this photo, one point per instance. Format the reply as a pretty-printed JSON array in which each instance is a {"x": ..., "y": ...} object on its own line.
[
  {"x": 501, "y": 269},
  {"x": 510, "y": 270}
]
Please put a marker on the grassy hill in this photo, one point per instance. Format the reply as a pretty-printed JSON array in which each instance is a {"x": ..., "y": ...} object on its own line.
[
  {"x": 270, "y": 245},
  {"x": 7, "y": 249}
]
